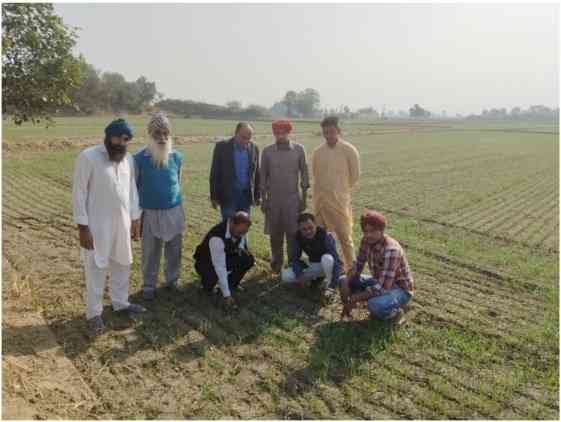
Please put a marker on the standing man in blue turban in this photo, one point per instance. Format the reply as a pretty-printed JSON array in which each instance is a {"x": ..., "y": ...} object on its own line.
[
  {"x": 158, "y": 179},
  {"x": 106, "y": 210}
]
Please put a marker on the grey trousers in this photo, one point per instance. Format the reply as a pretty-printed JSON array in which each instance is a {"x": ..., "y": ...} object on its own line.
[
  {"x": 151, "y": 254},
  {"x": 280, "y": 223}
]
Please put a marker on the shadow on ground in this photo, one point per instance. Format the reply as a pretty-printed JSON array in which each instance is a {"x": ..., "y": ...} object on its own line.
[
  {"x": 172, "y": 316},
  {"x": 339, "y": 351}
]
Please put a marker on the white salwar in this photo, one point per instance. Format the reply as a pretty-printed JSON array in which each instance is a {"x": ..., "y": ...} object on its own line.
[
  {"x": 313, "y": 271},
  {"x": 105, "y": 198}
]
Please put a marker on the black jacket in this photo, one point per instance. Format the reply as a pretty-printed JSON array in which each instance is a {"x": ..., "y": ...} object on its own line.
[
  {"x": 223, "y": 173},
  {"x": 231, "y": 247}
]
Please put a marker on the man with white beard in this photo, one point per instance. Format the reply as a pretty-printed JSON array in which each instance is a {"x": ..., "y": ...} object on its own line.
[{"x": 158, "y": 178}]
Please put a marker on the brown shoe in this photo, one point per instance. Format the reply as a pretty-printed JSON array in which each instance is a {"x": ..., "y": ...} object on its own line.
[
  {"x": 328, "y": 296},
  {"x": 275, "y": 268}
]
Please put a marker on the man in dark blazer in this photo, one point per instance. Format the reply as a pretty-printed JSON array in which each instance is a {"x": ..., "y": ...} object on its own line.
[{"x": 234, "y": 174}]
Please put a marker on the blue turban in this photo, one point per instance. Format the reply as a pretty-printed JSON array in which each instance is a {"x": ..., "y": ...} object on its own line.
[{"x": 118, "y": 127}]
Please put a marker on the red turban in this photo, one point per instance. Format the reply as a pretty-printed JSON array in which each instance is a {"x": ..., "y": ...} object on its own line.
[
  {"x": 373, "y": 218},
  {"x": 282, "y": 125}
]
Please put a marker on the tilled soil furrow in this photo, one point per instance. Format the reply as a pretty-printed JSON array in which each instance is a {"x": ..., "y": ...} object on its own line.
[
  {"x": 453, "y": 373},
  {"x": 501, "y": 221},
  {"x": 490, "y": 288},
  {"x": 528, "y": 213},
  {"x": 484, "y": 207}
]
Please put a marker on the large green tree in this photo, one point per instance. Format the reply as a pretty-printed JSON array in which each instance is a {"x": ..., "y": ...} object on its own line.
[
  {"x": 89, "y": 97},
  {"x": 290, "y": 101},
  {"x": 307, "y": 102},
  {"x": 39, "y": 71},
  {"x": 304, "y": 103},
  {"x": 418, "y": 111},
  {"x": 146, "y": 93}
]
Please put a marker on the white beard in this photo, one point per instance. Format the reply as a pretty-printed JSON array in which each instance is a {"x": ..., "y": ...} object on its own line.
[{"x": 160, "y": 153}]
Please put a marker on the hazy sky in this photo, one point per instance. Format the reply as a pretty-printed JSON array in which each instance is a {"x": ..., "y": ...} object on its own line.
[{"x": 455, "y": 57}]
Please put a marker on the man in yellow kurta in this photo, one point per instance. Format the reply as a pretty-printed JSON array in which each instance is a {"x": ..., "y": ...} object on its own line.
[{"x": 336, "y": 169}]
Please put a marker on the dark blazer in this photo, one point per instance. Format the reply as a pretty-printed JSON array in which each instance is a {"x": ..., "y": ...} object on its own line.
[{"x": 223, "y": 173}]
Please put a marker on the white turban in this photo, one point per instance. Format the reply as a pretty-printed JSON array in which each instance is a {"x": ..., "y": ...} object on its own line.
[{"x": 158, "y": 121}]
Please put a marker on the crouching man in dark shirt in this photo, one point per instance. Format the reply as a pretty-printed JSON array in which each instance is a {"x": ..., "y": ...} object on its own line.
[{"x": 324, "y": 262}]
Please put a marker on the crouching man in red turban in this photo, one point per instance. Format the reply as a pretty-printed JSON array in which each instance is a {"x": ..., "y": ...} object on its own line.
[{"x": 391, "y": 285}]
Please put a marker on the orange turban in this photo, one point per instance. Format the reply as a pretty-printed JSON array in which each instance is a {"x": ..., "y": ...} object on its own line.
[
  {"x": 282, "y": 125},
  {"x": 373, "y": 218}
]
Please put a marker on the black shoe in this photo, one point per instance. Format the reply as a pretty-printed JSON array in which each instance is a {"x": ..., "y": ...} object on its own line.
[
  {"x": 315, "y": 283},
  {"x": 237, "y": 289},
  {"x": 213, "y": 295},
  {"x": 171, "y": 287},
  {"x": 228, "y": 309},
  {"x": 95, "y": 326},
  {"x": 148, "y": 295},
  {"x": 276, "y": 268},
  {"x": 134, "y": 309},
  {"x": 206, "y": 291}
]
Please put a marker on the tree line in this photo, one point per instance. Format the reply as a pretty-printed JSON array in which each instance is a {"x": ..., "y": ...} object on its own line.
[
  {"x": 109, "y": 92},
  {"x": 233, "y": 110},
  {"x": 41, "y": 76},
  {"x": 533, "y": 112},
  {"x": 294, "y": 104}
]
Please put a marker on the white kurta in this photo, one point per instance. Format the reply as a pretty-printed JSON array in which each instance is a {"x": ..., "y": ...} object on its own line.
[{"x": 104, "y": 197}]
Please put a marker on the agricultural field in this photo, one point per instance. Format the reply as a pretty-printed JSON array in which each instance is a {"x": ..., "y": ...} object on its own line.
[{"x": 476, "y": 206}]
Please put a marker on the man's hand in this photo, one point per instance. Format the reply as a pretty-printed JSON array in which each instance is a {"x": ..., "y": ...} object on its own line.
[
  {"x": 86, "y": 239},
  {"x": 303, "y": 201},
  {"x": 264, "y": 206},
  {"x": 135, "y": 229},
  {"x": 230, "y": 304},
  {"x": 214, "y": 203}
]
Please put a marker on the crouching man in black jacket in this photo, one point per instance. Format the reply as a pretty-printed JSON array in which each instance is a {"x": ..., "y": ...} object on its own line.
[{"x": 223, "y": 257}]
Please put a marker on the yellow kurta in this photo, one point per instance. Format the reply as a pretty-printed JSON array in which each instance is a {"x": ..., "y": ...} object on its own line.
[{"x": 336, "y": 171}]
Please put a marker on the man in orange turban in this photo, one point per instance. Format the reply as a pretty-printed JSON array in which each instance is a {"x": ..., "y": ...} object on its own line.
[
  {"x": 284, "y": 185},
  {"x": 282, "y": 125},
  {"x": 391, "y": 285}
]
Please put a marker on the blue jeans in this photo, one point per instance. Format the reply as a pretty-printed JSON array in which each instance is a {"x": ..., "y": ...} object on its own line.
[
  {"x": 384, "y": 306},
  {"x": 241, "y": 202}
]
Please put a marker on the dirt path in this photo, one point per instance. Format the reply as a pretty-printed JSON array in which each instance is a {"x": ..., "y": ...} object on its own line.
[
  {"x": 40, "y": 382},
  {"x": 61, "y": 144}
]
